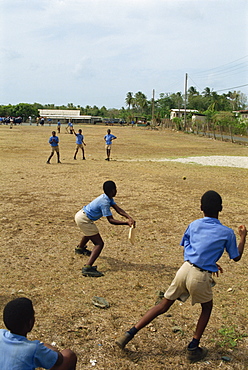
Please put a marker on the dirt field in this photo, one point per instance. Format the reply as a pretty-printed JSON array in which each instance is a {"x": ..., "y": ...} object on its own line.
[{"x": 39, "y": 236}]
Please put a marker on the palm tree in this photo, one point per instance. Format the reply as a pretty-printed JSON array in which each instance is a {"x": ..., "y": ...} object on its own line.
[
  {"x": 129, "y": 99},
  {"x": 140, "y": 101}
]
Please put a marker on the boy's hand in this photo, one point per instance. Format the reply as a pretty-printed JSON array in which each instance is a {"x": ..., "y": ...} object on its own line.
[
  {"x": 242, "y": 230},
  {"x": 220, "y": 269},
  {"x": 131, "y": 222}
]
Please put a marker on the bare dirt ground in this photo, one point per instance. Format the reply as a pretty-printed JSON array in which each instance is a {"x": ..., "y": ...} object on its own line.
[{"x": 39, "y": 236}]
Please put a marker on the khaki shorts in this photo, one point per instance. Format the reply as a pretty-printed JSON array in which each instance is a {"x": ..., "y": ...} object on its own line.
[
  {"x": 108, "y": 146},
  {"x": 191, "y": 281},
  {"x": 55, "y": 149},
  {"x": 79, "y": 146},
  {"x": 85, "y": 224}
]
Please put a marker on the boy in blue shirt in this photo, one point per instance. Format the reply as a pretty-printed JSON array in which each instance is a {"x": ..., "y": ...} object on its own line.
[
  {"x": 99, "y": 207},
  {"x": 108, "y": 139},
  {"x": 80, "y": 142},
  {"x": 19, "y": 353},
  {"x": 54, "y": 142},
  {"x": 204, "y": 242}
]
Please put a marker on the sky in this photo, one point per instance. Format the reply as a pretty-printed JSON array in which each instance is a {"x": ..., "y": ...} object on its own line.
[{"x": 92, "y": 52}]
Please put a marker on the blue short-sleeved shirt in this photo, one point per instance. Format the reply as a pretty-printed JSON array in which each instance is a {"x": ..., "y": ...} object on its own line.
[
  {"x": 79, "y": 139},
  {"x": 19, "y": 353},
  {"x": 54, "y": 141},
  {"x": 108, "y": 138},
  {"x": 99, "y": 207},
  {"x": 205, "y": 240}
]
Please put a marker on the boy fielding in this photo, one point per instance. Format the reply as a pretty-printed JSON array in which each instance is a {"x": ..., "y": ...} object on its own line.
[
  {"x": 108, "y": 139},
  {"x": 79, "y": 142},
  {"x": 54, "y": 142},
  {"x": 204, "y": 242},
  {"x": 99, "y": 207},
  {"x": 19, "y": 353}
]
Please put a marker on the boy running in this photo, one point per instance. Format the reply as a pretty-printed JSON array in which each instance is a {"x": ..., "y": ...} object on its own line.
[
  {"x": 79, "y": 142},
  {"x": 99, "y": 207},
  {"x": 204, "y": 242}
]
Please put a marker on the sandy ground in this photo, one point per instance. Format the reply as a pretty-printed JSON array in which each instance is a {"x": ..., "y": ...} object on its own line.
[
  {"x": 212, "y": 160},
  {"x": 39, "y": 236}
]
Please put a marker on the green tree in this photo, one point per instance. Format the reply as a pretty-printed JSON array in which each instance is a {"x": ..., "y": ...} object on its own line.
[
  {"x": 25, "y": 110},
  {"x": 140, "y": 102},
  {"x": 129, "y": 99}
]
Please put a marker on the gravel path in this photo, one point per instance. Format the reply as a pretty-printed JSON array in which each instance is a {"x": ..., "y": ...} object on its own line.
[{"x": 214, "y": 160}]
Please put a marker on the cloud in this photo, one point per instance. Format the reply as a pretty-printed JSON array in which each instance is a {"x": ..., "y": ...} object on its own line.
[{"x": 112, "y": 47}]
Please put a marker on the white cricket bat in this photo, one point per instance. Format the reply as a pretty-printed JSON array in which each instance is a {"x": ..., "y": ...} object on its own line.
[{"x": 131, "y": 234}]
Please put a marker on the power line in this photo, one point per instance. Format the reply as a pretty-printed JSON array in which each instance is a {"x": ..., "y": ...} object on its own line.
[
  {"x": 224, "y": 65},
  {"x": 230, "y": 88}
]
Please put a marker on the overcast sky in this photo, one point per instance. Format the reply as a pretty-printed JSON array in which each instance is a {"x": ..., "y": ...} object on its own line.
[{"x": 92, "y": 52}]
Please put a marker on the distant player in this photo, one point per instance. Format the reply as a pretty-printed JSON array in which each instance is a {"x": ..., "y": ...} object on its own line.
[
  {"x": 80, "y": 143},
  {"x": 58, "y": 126},
  {"x": 85, "y": 219},
  {"x": 70, "y": 127},
  {"x": 54, "y": 142},
  {"x": 108, "y": 139},
  {"x": 204, "y": 242}
]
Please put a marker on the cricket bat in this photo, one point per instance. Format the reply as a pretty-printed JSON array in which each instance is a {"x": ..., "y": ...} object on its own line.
[{"x": 131, "y": 234}]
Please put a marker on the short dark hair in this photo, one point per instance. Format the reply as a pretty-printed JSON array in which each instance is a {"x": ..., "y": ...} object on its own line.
[
  {"x": 211, "y": 202},
  {"x": 17, "y": 313},
  {"x": 108, "y": 186}
]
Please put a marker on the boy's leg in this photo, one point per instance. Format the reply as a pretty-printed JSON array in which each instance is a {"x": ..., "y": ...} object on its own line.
[
  {"x": 89, "y": 269},
  {"x": 83, "y": 242},
  {"x": 196, "y": 353},
  {"x": 203, "y": 319},
  {"x": 82, "y": 247},
  {"x": 58, "y": 157},
  {"x": 98, "y": 246},
  {"x": 150, "y": 315},
  {"x": 69, "y": 361},
  {"x": 75, "y": 155},
  {"x": 48, "y": 161},
  {"x": 83, "y": 153},
  {"x": 155, "y": 311}
]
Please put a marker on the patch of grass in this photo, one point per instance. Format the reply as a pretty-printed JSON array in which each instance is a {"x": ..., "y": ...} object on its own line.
[{"x": 230, "y": 336}]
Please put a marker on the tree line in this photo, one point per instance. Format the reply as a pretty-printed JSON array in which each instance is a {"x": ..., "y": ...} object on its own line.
[{"x": 138, "y": 105}]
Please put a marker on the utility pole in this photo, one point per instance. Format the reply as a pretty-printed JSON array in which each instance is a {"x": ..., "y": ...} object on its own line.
[
  {"x": 153, "y": 96},
  {"x": 185, "y": 99}
]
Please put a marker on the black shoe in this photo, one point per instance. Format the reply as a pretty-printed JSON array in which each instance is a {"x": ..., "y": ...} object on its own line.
[
  {"x": 83, "y": 251},
  {"x": 196, "y": 354},
  {"x": 122, "y": 341},
  {"x": 91, "y": 271}
]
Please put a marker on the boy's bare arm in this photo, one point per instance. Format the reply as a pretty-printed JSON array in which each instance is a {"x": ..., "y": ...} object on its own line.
[
  {"x": 242, "y": 232},
  {"x": 121, "y": 212}
]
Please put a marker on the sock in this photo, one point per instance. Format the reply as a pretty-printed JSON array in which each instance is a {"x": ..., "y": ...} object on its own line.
[
  {"x": 194, "y": 343},
  {"x": 133, "y": 331}
]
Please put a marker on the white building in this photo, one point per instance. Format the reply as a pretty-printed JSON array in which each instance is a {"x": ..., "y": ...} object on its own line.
[
  {"x": 67, "y": 115},
  {"x": 180, "y": 112}
]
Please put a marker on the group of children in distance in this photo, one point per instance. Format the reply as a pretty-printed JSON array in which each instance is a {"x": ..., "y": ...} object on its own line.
[
  {"x": 54, "y": 142},
  {"x": 204, "y": 242}
]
